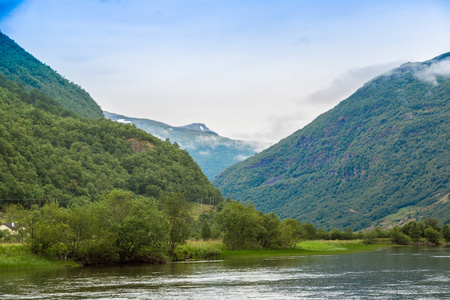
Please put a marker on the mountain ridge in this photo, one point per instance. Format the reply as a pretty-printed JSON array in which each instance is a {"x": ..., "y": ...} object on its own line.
[
  {"x": 363, "y": 161},
  {"x": 18, "y": 65},
  {"x": 211, "y": 151}
]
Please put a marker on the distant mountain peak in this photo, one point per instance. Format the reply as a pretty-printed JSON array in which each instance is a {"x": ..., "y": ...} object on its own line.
[{"x": 198, "y": 127}]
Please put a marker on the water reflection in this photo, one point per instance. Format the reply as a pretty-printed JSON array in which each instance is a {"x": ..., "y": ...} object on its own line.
[{"x": 407, "y": 273}]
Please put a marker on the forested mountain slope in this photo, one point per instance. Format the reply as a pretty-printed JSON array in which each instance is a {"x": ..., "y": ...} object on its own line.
[
  {"x": 212, "y": 152},
  {"x": 382, "y": 156},
  {"x": 20, "y": 66},
  {"x": 48, "y": 152}
]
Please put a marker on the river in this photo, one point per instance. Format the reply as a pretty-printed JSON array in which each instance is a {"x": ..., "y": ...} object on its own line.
[{"x": 391, "y": 273}]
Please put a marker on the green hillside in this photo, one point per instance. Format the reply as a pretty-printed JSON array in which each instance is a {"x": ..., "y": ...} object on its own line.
[
  {"x": 382, "y": 156},
  {"x": 48, "y": 152},
  {"x": 18, "y": 65},
  {"x": 212, "y": 152}
]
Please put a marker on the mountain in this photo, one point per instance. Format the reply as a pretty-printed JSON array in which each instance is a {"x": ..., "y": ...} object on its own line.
[
  {"x": 198, "y": 127},
  {"x": 212, "y": 152},
  {"x": 380, "y": 157},
  {"x": 48, "y": 152},
  {"x": 18, "y": 65}
]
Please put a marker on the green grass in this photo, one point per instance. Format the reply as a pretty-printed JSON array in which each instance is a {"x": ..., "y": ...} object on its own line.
[
  {"x": 14, "y": 256},
  {"x": 307, "y": 248},
  {"x": 198, "y": 250}
]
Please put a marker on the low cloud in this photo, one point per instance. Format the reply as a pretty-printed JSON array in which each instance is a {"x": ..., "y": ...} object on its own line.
[
  {"x": 347, "y": 83},
  {"x": 123, "y": 121},
  {"x": 430, "y": 73},
  {"x": 241, "y": 157},
  {"x": 306, "y": 109}
]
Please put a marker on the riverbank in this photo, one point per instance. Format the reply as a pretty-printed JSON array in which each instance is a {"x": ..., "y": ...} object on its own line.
[
  {"x": 308, "y": 248},
  {"x": 197, "y": 250},
  {"x": 17, "y": 256}
]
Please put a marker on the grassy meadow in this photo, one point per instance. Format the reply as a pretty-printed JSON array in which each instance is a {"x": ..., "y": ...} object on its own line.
[{"x": 17, "y": 256}]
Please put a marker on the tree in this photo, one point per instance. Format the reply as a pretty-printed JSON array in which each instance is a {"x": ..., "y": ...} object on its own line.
[
  {"x": 323, "y": 234},
  {"x": 309, "y": 231},
  {"x": 432, "y": 222},
  {"x": 143, "y": 234},
  {"x": 270, "y": 233},
  {"x": 370, "y": 237},
  {"x": 177, "y": 210},
  {"x": 240, "y": 225},
  {"x": 398, "y": 237},
  {"x": 432, "y": 235},
  {"x": 381, "y": 233},
  {"x": 335, "y": 234},
  {"x": 414, "y": 231},
  {"x": 291, "y": 233},
  {"x": 347, "y": 234},
  {"x": 446, "y": 232},
  {"x": 206, "y": 230}
]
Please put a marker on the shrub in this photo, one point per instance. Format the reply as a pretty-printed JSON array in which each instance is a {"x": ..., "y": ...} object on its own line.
[
  {"x": 398, "y": 237},
  {"x": 432, "y": 235}
]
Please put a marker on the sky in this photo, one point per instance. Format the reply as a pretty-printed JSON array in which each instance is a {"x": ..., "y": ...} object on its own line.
[{"x": 250, "y": 70}]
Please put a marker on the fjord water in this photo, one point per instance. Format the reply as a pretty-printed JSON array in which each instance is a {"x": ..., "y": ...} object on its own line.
[{"x": 391, "y": 273}]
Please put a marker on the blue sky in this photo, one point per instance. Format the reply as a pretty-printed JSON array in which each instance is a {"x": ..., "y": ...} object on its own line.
[{"x": 255, "y": 70}]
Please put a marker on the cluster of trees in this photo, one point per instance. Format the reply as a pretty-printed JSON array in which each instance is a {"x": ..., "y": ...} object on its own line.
[
  {"x": 244, "y": 227},
  {"x": 119, "y": 228},
  {"x": 418, "y": 232},
  {"x": 48, "y": 152},
  {"x": 123, "y": 227}
]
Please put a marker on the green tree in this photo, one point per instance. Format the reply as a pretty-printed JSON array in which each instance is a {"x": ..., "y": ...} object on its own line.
[
  {"x": 270, "y": 234},
  {"x": 291, "y": 233},
  {"x": 323, "y": 234},
  {"x": 309, "y": 231},
  {"x": 370, "y": 237},
  {"x": 240, "y": 225},
  {"x": 398, "y": 237},
  {"x": 206, "y": 230},
  {"x": 348, "y": 234},
  {"x": 335, "y": 234},
  {"x": 446, "y": 232},
  {"x": 432, "y": 222},
  {"x": 381, "y": 233},
  {"x": 143, "y": 233},
  {"x": 432, "y": 235},
  {"x": 414, "y": 231},
  {"x": 177, "y": 210}
]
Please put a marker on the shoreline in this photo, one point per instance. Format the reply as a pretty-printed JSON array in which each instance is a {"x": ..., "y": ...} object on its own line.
[{"x": 16, "y": 256}]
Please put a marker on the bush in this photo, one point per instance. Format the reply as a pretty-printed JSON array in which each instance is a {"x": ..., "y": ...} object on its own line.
[
  {"x": 432, "y": 235},
  {"x": 398, "y": 237},
  {"x": 197, "y": 250},
  {"x": 370, "y": 237}
]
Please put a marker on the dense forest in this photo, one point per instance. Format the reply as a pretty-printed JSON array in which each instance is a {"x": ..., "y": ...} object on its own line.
[
  {"x": 18, "y": 65},
  {"x": 380, "y": 157},
  {"x": 48, "y": 152}
]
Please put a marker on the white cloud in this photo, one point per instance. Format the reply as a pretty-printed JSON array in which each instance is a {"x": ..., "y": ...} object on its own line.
[
  {"x": 241, "y": 157},
  {"x": 430, "y": 73},
  {"x": 123, "y": 121},
  {"x": 348, "y": 82}
]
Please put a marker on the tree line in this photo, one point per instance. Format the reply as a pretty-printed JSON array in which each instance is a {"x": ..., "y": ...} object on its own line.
[
  {"x": 119, "y": 228},
  {"x": 126, "y": 228}
]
